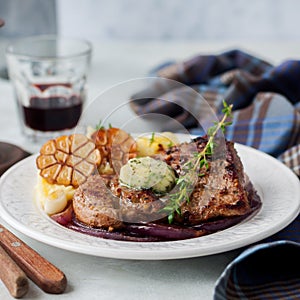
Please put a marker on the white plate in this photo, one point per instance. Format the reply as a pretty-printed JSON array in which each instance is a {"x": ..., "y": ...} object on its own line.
[{"x": 278, "y": 187}]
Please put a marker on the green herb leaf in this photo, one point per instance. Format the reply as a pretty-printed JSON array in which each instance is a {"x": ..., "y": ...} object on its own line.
[
  {"x": 151, "y": 140},
  {"x": 99, "y": 126},
  {"x": 197, "y": 162},
  {"x": 170, "y": 144}
]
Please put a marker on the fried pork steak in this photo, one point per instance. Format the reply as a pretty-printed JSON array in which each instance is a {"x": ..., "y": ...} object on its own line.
[
  {"x": 219, "y": 193},
  {"x": 94, "y": 205}
]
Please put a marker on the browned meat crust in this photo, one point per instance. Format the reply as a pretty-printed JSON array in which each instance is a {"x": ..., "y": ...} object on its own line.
[
  {"x": 94, "y": 204},
  {"x": 215, "y": 196},
  {"x": 137, "y": 205},
  {"x": 221, "y": 194}
]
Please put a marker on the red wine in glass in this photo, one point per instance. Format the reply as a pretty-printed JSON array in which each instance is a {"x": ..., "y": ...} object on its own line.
[{"x": 54, "y": 112}]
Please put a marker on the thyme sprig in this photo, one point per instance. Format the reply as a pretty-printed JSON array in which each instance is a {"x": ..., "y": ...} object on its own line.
[
  {"x": 152, "y": 139},
  {"x": 185, "y": 183},
  {"x": 99, "y": 126}
]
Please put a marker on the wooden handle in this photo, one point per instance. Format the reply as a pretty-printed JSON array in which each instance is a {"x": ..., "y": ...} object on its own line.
[
  {"x": 12, "y": 276},
  {"x": 49, "y": 278}
]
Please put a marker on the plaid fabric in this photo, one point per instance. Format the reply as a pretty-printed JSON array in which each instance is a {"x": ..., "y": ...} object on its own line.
[
  {"x": 253, "y": 275},
  {"x": 266, "y": 116},
  {"x": 266, "y": 100}
]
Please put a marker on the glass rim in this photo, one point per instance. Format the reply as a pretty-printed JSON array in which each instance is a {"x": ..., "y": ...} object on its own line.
[{"x": 12, "y": 49}]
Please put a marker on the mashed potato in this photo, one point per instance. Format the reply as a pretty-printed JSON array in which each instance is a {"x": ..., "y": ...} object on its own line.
[{"x": 53, "y": 197}]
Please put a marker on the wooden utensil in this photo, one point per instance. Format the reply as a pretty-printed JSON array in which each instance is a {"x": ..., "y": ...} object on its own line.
[
  {"x": 18, "y": 257},
  {"x": 48, "y": 277},
  {"x": 12, "y": 276}
]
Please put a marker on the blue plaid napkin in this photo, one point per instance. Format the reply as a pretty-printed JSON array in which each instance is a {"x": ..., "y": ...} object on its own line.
[
  {"x": 265, "y": 271},
  {"x": 266, "y": 116},
  {"x": 265, "y": 98}
]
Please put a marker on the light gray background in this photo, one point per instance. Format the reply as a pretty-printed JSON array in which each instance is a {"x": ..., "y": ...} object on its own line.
[
  {"x": 180, "y": 19},
  {"x": 154, "y": 19},
  {"x": 237, "y": 21}
]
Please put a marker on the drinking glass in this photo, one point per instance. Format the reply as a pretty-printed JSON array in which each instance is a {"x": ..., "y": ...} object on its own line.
[{"x": 49, "y": 77}]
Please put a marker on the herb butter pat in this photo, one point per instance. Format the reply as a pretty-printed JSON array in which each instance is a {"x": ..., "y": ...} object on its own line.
[{"x": 148, "y": 173}]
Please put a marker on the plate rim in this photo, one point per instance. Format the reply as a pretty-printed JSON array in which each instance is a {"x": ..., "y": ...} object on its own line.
[{"x": 169, "y": 253}]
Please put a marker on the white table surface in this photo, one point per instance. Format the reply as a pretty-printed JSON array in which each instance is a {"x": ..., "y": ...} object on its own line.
[{"x": 103, "y": 278}]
